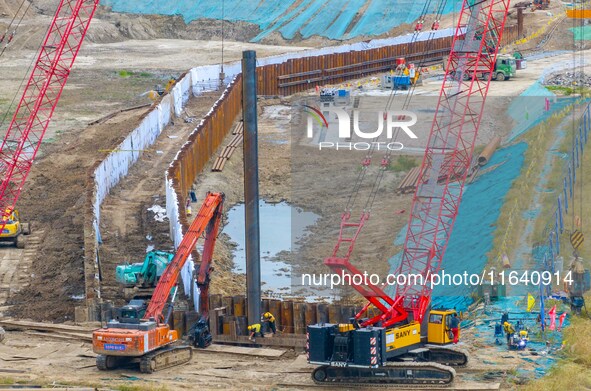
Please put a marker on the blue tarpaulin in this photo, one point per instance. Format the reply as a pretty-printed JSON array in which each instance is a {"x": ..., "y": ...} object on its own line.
[{"x": 334, "y": 19}]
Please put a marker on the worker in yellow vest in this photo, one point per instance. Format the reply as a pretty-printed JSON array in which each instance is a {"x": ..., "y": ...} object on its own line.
[
  {"x": 254, "y": 330},
  {"x": 270, "y": 319}
]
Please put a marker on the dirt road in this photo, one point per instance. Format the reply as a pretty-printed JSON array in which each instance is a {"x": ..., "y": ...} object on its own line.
[
  {"x": 43, "y": 360},
  {"x": 127, "y": 227},
  {"x": 107, "y": 77}
]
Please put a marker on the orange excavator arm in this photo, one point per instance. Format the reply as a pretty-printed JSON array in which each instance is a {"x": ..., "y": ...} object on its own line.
[{"x": 207, "y": 221}]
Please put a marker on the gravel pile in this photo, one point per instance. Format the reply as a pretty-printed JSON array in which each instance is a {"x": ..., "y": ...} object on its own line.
[{"x": 569, "y": 79}]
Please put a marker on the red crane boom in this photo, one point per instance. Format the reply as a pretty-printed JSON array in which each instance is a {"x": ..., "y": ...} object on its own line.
[
  {"x": 448, "y": 156},
  {"x": 40, "y": 97},
  {"x": 207, "y": 221},
  {"x": 444, "y": 169},
  {"x": 151, "y": 339}
]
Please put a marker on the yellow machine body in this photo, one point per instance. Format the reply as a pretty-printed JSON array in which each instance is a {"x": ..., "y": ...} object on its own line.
[
  {"x": 439, "y": 327},
  {"x": 12, "y": 227},
  {"x": 403, "y": 336}
]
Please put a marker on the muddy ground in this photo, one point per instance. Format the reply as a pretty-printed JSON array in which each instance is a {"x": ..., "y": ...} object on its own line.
[
  {"x": 34, "y": 359},
  {"x": 128, "y": 227},
  {"x": 55, "y": 189},
  {"x": 294, "y": 170}
]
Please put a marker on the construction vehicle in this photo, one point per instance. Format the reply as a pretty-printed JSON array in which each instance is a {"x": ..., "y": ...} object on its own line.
[
  {"x": 146, "y": 273},
  {"x": 149, "y": 339},
  {"x": 14, "y": 230},
  {"x": 505, "y": 67},
  {"x": 540, "y": 5},
  {"x": 135, "y": 309},
  {"x": 158, "y": 90},
  {"x": 139, "y": 278},
  {"x": 400, "y": 340}
]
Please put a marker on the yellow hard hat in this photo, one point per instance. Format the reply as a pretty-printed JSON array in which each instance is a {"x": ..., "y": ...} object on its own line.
[{"x": 250, "y": 327}]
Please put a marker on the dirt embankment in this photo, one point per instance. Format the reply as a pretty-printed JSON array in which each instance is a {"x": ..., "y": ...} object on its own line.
[
  {"x": 53, "y": 199},
  {"x": 108, "y": 26},
  {"x": 128, "y": 228}
]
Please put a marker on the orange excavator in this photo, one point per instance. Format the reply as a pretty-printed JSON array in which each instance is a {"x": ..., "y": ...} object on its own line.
[{"x": 146, "y": 337}]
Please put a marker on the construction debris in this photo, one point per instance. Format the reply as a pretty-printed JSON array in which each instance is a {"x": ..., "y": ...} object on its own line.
[
  {"x": 65, "y": 331},
  {"x": 227, "y": 152},
  {"x": 409, "y": 182},
  {"x": 569, "y": 79}
]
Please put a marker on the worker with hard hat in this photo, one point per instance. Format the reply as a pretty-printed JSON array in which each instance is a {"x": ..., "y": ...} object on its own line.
[
  {"x": 270, "y": 320},
  {"x": 255, "y": 329},
  {"x": 509, "y": 331}
]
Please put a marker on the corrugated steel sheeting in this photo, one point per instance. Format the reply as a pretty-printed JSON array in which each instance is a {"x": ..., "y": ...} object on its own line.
[{"x": 204, "y": 141}]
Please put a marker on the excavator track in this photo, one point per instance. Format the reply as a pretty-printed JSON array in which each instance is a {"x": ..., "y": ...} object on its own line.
[
  {"x": 165, "y": 358},
  {"x": 105, "y": 363},
  {"x": 448, "y": 355},
  {"x": 394, "y": 374}
]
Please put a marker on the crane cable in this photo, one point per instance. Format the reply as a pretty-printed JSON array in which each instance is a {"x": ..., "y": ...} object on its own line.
[
  {"x": 11, "y": 36},
  {"x": 415, "y": 37},
  {"x": 13, "y": 19},
  {"x": 25, "y": 76},
  {"x": 367, "y": 160},
  {"x": 378, "y": 180}
]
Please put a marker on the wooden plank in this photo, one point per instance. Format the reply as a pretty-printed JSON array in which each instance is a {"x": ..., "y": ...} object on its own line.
[
  {"x": 219, "y": 164},
  {"x": 225, "y": 152},
  {"x": 239, "y": 128},
  {"x": 61, "y": 335},
  {"x": 236, "y": 141},
  {"x": 293, "y": 340},
  {"x": 247, "y": 351},
  {"x": 10, "y": 324},
  {"x": 231, "y": 152},
  {"x": 223, "y": 164}
]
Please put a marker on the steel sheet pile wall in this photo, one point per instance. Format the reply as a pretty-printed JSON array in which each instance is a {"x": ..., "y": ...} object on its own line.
[
  {"x": 189, "y": 162},
  {"x": 277, "y": 75},
  {"x": 229, "y": 320},
  {"x": 107, "y": 173},
  {"x": 300, "y": 73}
]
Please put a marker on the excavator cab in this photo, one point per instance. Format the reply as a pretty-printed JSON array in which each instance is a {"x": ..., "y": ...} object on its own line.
[
  {"x": 439, "y": 327},
  {"x": 132, "y": 312}
]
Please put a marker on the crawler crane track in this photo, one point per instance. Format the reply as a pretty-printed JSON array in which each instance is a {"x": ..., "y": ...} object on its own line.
[{"x": 393, "y": 374}]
